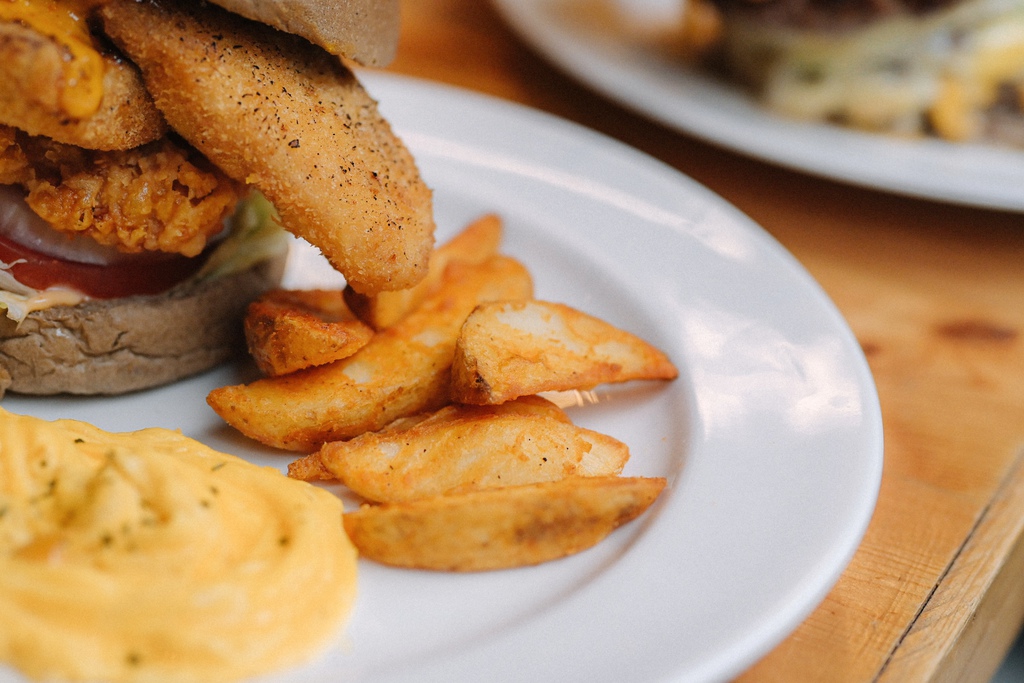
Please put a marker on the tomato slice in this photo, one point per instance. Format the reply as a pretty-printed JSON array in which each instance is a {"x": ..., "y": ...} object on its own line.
[{"x": 148, "y": 274}]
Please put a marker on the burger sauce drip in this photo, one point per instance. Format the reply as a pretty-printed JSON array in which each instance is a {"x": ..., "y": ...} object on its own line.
[{"x": 64, "y": 21}]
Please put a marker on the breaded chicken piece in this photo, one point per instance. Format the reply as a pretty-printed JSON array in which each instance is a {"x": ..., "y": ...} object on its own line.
[
  {"x": 34, "y": 96},
  {"x": 159, "y": 197},
  {"x": 275, "y": 111},
  {"x": 14, "y": 166}
]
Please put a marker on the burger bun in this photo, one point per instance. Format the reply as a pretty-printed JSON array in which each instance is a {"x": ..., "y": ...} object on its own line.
[
  {"x": 116, "y": 346},
  {"x": 365, "y": 31}
]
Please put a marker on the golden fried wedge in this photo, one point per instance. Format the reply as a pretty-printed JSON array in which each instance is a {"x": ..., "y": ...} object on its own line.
[
  {"x": 500, "y": 528},
  {"x": 475, "y": 244},
  {"x": 517, "y": 348},
  {"x": 289, "y": 330},
  {"x": 275, "y": 111},
  {"x": 465, "y": 448},
  {"x": 401, "y": 371},
  {"x": 311, "y": 468}
]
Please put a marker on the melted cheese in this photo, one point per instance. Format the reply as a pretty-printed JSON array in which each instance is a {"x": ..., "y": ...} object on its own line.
[
  {"x": 64, "y": 21},
  {"x": 148, "y": 556}
]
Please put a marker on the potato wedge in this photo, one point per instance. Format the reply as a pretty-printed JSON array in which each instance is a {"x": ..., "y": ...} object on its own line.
[
  {"x": 465, "y": 448},
  {"x": 401, "y": 371},
  {"x": 311, "y": 468},
  {"x": 289, "y": 330},
  {"x": 500, "y": 528},
  {"x": 477, "y": 242},
  {"x": 516, "y": 348}
]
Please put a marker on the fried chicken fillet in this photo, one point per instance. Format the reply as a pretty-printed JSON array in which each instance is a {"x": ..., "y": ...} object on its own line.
[
  {"x": 81, "y": 135},
  {"x": 161, "y": 196},
  {"x": 54, "y": 82},
  {"x": 139, "y": 145},
  {"x": 276, "y": 112}
]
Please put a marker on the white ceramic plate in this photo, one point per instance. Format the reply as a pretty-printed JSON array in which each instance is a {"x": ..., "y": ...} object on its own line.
[
  {"x": 693, "y": 102},
  {"x": 771, "y": 438}
]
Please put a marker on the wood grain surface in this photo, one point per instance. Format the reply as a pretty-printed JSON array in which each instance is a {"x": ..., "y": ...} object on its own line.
[{"x": 935, "y": 295}]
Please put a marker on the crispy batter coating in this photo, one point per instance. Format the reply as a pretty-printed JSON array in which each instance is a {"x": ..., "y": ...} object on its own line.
[
  {"x": 34, "y": 96},
  {"x": 275, "y": 111},
  {"x": 290, "y": 329},
  {"x": 162, "y": 196},
  {"x": 14, "y": 166}
]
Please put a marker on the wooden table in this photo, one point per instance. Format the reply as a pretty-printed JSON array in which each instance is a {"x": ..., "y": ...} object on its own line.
[{"x": 934, "y": 293}]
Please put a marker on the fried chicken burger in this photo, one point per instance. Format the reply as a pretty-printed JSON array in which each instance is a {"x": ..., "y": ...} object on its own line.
[
  {"x": 150, "y": 153},
  {"x": 950, "y": 68}
]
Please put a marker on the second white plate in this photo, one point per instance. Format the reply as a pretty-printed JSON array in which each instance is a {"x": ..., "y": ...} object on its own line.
[{"x": 694, "y": 102}]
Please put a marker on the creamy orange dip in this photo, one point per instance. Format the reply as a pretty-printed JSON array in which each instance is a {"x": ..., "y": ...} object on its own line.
[{"x": 148, "y": 556}]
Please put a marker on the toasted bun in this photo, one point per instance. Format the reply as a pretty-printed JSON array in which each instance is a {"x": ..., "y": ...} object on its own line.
[
  {"x": 116, "y": 346},
  {"x": 365, "y": 31}
]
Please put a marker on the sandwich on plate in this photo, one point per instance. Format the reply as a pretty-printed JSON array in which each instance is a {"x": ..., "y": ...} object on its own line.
[
  {"x": 152, "y": 151},
  {"x": 953, "y": 69}
]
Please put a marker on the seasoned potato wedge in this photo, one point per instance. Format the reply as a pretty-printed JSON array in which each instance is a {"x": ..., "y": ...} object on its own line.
[
  {"x": 289, "y": 330},
  {"x": 401, "y": 371},
  {"x": 311, "y": 468},
  {"x": 464, "y": 448},
  {"x": 477, "y": 242},
  {"x": 516, "y": 348},
  {"x": 500, "y": 528}
]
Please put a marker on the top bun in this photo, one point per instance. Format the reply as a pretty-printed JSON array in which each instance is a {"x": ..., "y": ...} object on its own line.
[{"x": 365, "y": 31}]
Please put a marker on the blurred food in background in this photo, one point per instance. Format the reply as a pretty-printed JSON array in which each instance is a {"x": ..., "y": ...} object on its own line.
[{"x": 953, "y": 69}]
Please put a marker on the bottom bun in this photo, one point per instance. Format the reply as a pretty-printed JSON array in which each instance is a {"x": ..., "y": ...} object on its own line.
[{"x": 115, "y": 346}]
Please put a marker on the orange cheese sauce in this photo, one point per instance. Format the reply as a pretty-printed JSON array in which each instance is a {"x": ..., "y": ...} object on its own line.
[
  {"x": 147, "y": 556},
  {"x": 64, "y": 21}
]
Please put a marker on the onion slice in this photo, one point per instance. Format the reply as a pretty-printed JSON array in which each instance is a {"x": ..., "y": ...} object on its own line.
[{"x": 40, "y": 257}]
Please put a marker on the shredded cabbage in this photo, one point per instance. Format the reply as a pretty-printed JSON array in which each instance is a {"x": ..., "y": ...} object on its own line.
[{"x": 256, "y": 235}]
